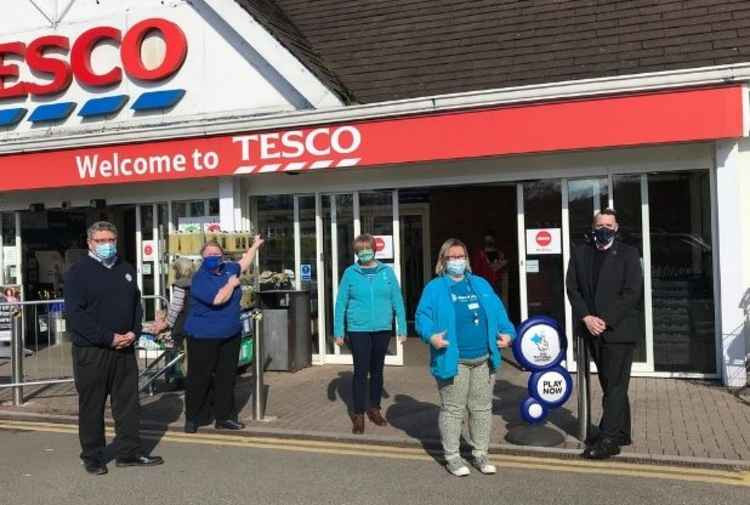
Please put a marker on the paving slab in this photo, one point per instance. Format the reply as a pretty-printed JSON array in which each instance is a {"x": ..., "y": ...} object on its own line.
[{"x": 693, "y": 421}]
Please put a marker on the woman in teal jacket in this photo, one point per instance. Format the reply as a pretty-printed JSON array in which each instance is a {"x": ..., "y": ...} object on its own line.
[
  {"x": 465, "y": 323},
  {"x": 367, "y": 299}
]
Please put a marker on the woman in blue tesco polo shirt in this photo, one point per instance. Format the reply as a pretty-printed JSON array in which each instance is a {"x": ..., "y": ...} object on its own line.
[
  {"x": 213, "y": 328},
  {"x": 465, "y": 323},
  {"x": 367, "y": 299}
]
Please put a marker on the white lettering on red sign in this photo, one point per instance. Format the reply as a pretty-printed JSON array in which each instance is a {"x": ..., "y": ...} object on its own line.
[
  {"x": 295, "y": 143},
  {"x": 94, "y": 166}
]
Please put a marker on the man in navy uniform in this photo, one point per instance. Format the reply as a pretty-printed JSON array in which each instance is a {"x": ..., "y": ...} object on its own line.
[
  {"x": 605, "y": 288},
  {"x": 103, "y": 309}
]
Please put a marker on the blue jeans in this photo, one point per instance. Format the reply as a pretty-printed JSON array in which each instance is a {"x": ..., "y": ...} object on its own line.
[{"x": 368, "y": 351}]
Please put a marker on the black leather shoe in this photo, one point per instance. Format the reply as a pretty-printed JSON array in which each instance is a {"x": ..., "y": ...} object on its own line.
[
  {"x": 605, "y": 448},
  {"x": 95, "y": 467},
  {"x": 623, "y": 440},
  {"x": 229, "y": 424},
  {"x": 191, "y": 427},
  {"x": 139, "y": 461}
]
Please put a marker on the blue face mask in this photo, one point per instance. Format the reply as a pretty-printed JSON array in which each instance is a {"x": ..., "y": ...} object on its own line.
[
  {"x": 455, "y": 268},
  {"x": 211, "y": 262},
  {"x": 106, "y": 251}
]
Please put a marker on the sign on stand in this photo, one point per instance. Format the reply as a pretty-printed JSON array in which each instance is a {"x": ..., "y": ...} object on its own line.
[{"x": 540, "y": 348}]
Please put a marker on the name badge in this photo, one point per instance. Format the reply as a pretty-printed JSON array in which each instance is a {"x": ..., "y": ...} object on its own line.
[{"x": 473, "y": 306}]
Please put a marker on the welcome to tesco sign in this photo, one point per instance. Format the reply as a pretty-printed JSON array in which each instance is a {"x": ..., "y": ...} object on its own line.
[
  {"x": 396, "y": 141},
  {"x": 42, "y": 55}
]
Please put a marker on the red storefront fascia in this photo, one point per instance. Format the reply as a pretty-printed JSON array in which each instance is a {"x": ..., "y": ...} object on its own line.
[{"x": 638, "y": 119}]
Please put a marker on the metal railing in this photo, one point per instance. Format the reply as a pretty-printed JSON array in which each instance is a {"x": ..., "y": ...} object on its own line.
[
  {"x": 37, "y": 356},
  {"x": 259, "y": 404},
  {"x": 51, "y": 361},
  {"x": 584, "y": 390},
  {"x": 39, "y": 348}
]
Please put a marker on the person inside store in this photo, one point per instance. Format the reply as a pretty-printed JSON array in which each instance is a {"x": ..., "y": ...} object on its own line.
[
  {"x": 174, "y": 319},
  {"x": 605, "y": 287},
  {"x": 103, "y": 310},
  {"x": 213, "y": 329},
  {"x": 489, "y": 262},
  {"x": 463, "y": 320},
  {"x": 368, "y": 297}
]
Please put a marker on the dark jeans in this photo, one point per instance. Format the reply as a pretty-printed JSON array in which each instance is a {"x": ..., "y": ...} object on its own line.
[
  {"x": 368, "y": 352},
  {"x": 100, "y": 372},
  {"x": 613, "y": 362},
  {"x": 212, "y": 363}
]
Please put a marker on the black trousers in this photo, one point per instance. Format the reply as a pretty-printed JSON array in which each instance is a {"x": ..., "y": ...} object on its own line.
[
  {"x": 368, "y": 352},
  {"x": 212, "y": 371},
  {"x": 613, "y": 362},
  {"x": 100, "y": 372}
]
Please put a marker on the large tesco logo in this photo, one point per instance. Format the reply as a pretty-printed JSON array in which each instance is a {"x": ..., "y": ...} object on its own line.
[{"x": 36, "y": 55}]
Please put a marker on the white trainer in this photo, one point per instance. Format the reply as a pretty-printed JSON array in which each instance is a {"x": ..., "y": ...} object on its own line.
[
  {"x": 457, "y": 467},
  {"x": 484, "y": 466}
]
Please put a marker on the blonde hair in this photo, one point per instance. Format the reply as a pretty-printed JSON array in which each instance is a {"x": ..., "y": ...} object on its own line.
[
  {"x": 363, "y": 241},
  {"x": 442, "y": 260},
  {"x": 183, "y": 268}
]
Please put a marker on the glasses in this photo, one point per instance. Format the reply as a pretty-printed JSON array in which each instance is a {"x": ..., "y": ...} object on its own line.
[
  {"x": 104, "y": 240},
  {"x": 462, "y": 257}
]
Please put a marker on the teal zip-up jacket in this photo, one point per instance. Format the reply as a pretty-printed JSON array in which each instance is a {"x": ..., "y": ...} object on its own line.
[
  {"x": 435, "y": 313},
  {"x": 369, "y": 305}
]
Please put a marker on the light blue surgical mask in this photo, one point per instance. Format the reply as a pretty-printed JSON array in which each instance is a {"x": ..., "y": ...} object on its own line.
[
  {"x": 455, "y": 268},
  {"x": 106, "y": 251}
]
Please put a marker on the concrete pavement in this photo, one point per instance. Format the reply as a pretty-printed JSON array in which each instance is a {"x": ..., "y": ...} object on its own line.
[{"x": 690, "y": 421}]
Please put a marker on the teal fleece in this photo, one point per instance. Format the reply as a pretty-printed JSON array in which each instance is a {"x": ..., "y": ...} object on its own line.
[
  {"x": 369, "y": 305},
  {"x": 435, "y": 313}
]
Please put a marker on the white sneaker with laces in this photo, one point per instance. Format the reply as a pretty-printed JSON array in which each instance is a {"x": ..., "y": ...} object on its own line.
[
  {"x": 457, "y": 467},
  {"x": 484, "y": 466}
]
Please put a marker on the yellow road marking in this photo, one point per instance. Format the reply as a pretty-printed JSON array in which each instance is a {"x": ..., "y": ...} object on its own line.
[{"x": 650, "y": 471}]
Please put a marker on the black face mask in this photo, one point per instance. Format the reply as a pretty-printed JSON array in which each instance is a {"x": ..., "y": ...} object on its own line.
[{"x": 603, "y": 236}]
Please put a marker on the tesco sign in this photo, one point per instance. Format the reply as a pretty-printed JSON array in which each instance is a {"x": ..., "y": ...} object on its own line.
[{"x": 43, "y": 56}]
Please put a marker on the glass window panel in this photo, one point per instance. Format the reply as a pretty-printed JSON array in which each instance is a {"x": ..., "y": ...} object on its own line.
[
  {"x": 544, "y": 282},
  {"x": 682, "y": 272},
  {"x": 627, "y": 201},
  {"x": 9, "y": 242},
  {"x": 585, "y": 199},
  {"x": 276, "y": 225},
  {"x": 308, "y": 259},
  {"x": 213, "y": 207},
  {"x": 197, "y": 208}
]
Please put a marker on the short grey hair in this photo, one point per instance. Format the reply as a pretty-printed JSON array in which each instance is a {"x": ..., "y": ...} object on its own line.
[
  {"x": 442, "y": 255},
  {"x": 101, "y": 226},
  {"x": 183, "y": 268}
]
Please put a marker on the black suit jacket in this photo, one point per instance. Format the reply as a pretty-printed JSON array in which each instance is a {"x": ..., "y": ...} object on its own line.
[{"x": 616, "y": 297}]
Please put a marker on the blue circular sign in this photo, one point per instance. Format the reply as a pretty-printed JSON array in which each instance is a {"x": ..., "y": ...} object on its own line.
[
  {"x": 533, "y": 412},
  {"x": 552, "y": 387},
  {"x": 540, "y": 344}
]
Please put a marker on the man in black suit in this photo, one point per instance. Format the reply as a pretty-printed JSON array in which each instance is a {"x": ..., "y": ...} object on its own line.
[{"x": 605, "y": 287}]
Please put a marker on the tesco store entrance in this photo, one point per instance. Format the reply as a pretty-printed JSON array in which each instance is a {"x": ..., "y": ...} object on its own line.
[
  {"x": 414, "y": 181},
  {"x": 666, "y": 215}
]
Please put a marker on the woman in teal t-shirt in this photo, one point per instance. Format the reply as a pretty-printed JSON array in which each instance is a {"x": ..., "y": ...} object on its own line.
[{"x": 465, "y": 323}]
